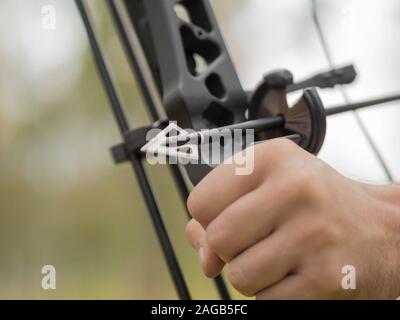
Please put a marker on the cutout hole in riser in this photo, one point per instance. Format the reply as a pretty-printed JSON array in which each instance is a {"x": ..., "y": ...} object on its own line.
[{"x": 215, "y": 86}]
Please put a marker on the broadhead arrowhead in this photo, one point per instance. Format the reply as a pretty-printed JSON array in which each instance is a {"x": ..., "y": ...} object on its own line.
[{"x": 157, "y": 145}]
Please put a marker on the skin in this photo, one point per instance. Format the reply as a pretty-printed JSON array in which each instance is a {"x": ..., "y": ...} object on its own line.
[{"x": 287, "y": 230}]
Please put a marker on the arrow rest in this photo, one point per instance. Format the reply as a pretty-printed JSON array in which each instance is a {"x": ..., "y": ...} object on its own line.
[{"x": 306, "y": 118}]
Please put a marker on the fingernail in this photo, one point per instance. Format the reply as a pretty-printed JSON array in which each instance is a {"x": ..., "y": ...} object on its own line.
[{"x": 201, "y": 254}]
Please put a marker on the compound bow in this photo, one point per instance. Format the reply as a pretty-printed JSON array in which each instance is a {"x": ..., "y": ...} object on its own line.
[{"x": 165, "y": 52}]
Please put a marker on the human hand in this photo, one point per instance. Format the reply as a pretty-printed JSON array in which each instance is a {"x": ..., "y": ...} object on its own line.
[{"x": 287, "y": 230}]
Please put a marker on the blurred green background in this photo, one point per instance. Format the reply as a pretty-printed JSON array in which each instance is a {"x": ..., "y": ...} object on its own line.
[{"x": 62, "y": 201}]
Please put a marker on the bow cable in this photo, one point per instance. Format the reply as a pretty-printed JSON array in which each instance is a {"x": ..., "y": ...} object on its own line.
[{"x": 137, "y": 164}]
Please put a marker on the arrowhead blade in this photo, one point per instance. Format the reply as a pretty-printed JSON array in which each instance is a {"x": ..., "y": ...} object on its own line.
[{"x": 157, "y": 145}]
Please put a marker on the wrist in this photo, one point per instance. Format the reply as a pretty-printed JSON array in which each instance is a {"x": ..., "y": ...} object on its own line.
[{"x": 389, "y": 198}]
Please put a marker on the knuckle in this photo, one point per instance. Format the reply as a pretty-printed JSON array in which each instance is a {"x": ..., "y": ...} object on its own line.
[
  {"x": 287, "y": 144},
  {"x": 319, "y": 233},
  {"x": 216, "y": 239},
  {"x": 295, "y": 186},
  {"x": 305, "y": 185},
  {"x": 328, "y": 284},
  {"x": 283, "y": 145},
  {"x": 274, "y": 150},
  {"x": 312, "y": 231},
  {"x": 239, "y": 280},
  {"x": 194, "y": 206},
  {"x": 326, "y": 233},
  {"x": 283, "y": 190},
  {"x": 301, "y": 180},
  {"x": 318, "y": 227},
  {"x": 190, "y": 230},
  {"x": 320, "y": 230}
]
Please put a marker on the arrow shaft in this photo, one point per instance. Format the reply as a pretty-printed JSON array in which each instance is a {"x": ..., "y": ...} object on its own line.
[{"x": 203, "y": 136}]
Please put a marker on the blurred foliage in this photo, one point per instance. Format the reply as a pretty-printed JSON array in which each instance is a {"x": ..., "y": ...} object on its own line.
[{"x": 62, "y": 201}]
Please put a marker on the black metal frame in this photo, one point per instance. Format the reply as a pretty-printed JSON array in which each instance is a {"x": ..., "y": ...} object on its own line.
[{"x": 162, "y": 49}]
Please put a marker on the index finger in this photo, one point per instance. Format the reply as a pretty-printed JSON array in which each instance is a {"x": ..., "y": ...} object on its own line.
[{"x": 222, "y": 186}]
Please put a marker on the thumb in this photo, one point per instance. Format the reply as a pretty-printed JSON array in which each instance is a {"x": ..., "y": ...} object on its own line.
[{"x": 211, "y": 264}]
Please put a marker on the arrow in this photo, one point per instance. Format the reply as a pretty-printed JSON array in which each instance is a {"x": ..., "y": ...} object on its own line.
[
  {"x": 176, "y": 142},
  {"x": 159, "y": 146}
]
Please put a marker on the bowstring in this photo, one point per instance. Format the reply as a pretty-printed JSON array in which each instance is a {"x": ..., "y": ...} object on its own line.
[
  {"x": 345, "y": 95},
  {"x": 137, "y": 165}
]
